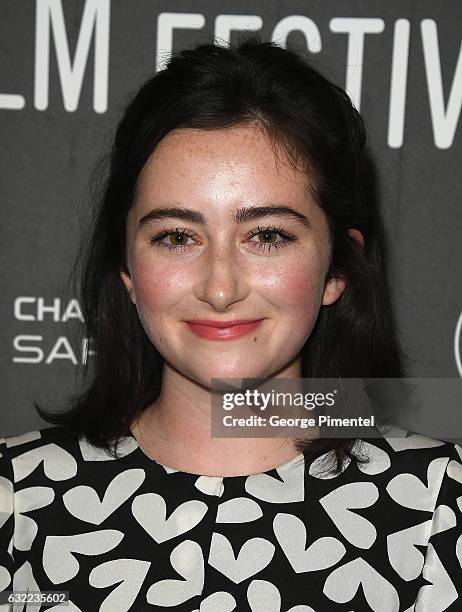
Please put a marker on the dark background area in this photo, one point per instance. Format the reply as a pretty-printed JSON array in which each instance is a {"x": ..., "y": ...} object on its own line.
[{"x": 47, "y": 157}]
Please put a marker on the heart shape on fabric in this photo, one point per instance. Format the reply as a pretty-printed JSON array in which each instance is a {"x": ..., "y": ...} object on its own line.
[
  {"x": 84, "y": 503},
  {"x": 254, "y": 556},
  {"x": 187, "y": 559},
  {"x": 339, "y": 505},
  {"x": 270, "y": 489},
  {"x": 342, "y": 584},
  {"x": 150, "y": 511},
  {"x": 58, "y": 464},
  {"x": 128, "y": 573},
  {"x": 405, "y": 558},
  {"x": 60, "y": 564},
  {"x": 290, "y": 532},
  {"x": 409, "y": 491}
]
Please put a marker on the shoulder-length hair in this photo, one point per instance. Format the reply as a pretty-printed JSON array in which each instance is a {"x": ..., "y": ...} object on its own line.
[{"x": 212, "y": 87}]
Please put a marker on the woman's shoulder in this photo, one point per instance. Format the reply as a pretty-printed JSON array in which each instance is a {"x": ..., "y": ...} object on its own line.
[
  {"x": 401, "y": 450},
  {"x": 410, "y": 448},
  {"x": 416, "y": 471},
  {"x": 397, "y": 459},
  {"x": 24, "y": 452},
  {"x": 54, "y": 452},
  {"x": 35, "y": 438}
]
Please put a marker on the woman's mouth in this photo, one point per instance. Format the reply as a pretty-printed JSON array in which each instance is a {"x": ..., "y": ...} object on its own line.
[{"x": 222, "y": 330}]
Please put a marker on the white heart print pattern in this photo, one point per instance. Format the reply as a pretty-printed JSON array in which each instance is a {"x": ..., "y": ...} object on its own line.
[
  {"x": 441, "y": 592},
  {"x": 342, "y": 584},
  {"x": 128, "y": 574},
  {"x": 150, "y": 511},
  {"x": 84, "y": 503},
  {"x": 269, "y": 489},
  {"x": 340, "y": 505},
  {"x": 291, "y": 534},
  {"x": 409, "y": 491},
  {"x": 58, "y": 464},
  {"x": 59, "y": 562},
  {"x": 404, "y": 557},
  {"x": 186, "y": 559},
  {"x": 254, "y": 555},
  {"x": 131, "y": 534}
]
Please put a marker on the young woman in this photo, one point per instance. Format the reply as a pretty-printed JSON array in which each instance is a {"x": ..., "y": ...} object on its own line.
[{"x": 237, "y": 237}]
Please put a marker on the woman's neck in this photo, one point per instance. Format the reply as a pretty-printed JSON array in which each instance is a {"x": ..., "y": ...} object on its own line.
[{"x": 176, "y": 431}]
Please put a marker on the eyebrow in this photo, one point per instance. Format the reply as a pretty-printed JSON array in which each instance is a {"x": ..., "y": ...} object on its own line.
[{"x": 241, "y": 215}]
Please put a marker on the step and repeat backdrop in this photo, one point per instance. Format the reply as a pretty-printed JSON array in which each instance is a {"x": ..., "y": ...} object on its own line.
[{"x": 68, "y": 68}]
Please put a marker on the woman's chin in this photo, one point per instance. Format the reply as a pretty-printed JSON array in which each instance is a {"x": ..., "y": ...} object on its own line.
[{"x": 230, "y": 377}]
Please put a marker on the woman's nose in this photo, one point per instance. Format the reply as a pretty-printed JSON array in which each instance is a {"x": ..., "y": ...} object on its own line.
[{"x": 221, "y": 281}]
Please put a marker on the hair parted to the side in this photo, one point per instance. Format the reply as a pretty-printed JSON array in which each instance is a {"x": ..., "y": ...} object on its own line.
[{"x": 313, "y": 120}]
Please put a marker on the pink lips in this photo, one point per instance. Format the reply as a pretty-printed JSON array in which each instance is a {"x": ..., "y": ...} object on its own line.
[{"x": 222, "y": 330}]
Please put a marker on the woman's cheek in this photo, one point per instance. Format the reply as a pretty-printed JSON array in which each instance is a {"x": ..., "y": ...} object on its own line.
[
  {"x": 157, "y": 292},
  {"x": 294, "y": 287},
  {"x": 159, "y": 287}
]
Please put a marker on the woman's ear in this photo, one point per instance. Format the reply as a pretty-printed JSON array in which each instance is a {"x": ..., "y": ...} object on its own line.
[
  {"x": 127, "y": 281},
  {"x": 333, "y": 289},
  {"x": 337, "y": 284},
  {"x": 357, "y": 235}
]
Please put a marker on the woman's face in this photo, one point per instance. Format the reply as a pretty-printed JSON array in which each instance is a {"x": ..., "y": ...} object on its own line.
[{"x": 222, "y": 230}]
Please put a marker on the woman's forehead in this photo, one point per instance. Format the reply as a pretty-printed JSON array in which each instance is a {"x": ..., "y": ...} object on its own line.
[{"x": 233, "y": 164}]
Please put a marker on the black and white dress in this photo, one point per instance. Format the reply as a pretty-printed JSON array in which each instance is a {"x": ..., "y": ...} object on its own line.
[{"x": 132, "y": 534}]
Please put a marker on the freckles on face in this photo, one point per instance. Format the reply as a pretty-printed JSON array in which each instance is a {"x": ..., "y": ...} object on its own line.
[
  {"x": 160, "y": 284},
  {"x": 295, "y": 289},
  {"x": 158, "y": 290},
  {"x": 221, "y": 270},
  {"x": 296, "y": 279},
  {"x": 292, "y": 287}
]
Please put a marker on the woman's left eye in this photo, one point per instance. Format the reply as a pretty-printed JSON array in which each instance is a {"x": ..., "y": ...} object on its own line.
[{"x": 268, "y": 237}]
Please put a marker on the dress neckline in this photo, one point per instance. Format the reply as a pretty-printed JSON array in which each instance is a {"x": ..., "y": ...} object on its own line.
[{"x": 284, "y": 467}]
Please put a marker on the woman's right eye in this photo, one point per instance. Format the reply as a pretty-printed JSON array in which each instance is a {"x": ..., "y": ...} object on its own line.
[{"x": 177, "y": 239}]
